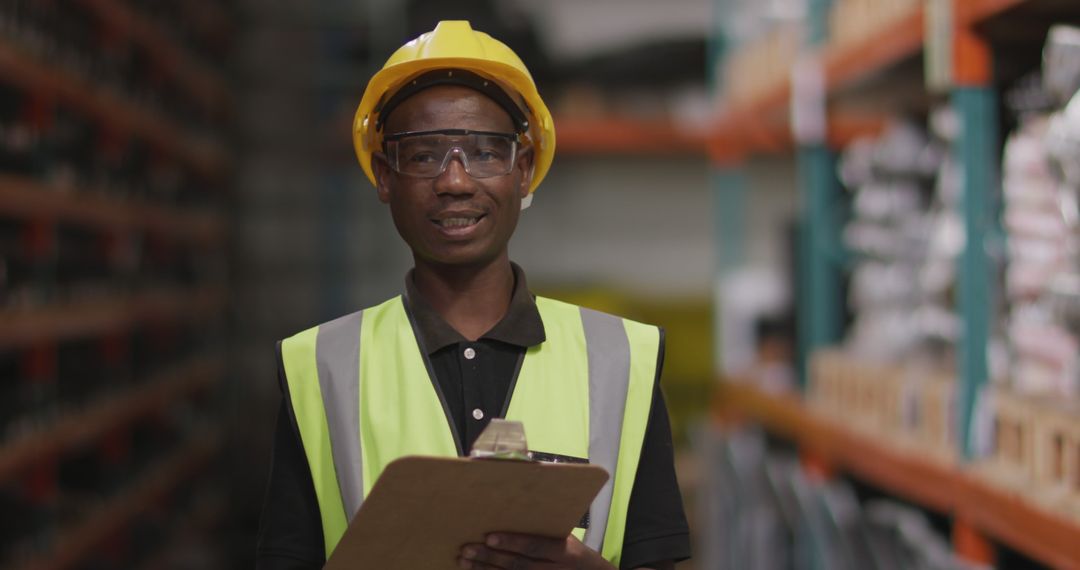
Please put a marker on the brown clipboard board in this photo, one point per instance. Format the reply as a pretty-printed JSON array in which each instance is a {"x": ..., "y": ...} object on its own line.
[{"x": 422, "y": 510}]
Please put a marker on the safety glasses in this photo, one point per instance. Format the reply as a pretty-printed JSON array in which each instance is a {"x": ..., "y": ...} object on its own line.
[{"x": 426, "y": 154}]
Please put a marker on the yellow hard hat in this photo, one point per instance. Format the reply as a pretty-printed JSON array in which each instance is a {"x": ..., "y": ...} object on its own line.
[{"x": 455, "y": 45}]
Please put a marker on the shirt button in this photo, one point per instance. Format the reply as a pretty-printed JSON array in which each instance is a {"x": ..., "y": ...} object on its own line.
[
  {"x": 469, "y": 355},
  {"x": 478, "y": 414}
]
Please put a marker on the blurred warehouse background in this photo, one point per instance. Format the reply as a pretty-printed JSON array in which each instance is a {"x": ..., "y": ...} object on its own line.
[{"x": 856, "y": 219}]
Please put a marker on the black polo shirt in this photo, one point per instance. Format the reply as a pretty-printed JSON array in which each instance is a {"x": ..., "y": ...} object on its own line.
[{"x": 475, "y": 379}]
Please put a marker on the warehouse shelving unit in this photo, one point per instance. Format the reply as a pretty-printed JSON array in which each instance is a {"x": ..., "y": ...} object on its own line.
[
  {"x": 202, "y": 83},
  {"x": 138, "y": 412},
  {"x": 101, "y": 316},
  {"x": 27, "y": 198},
  {"x": 109, "y": 108},
  {"x": 854, "y": 75},
  {"x": 116, "y": 412},
  {"x": 165, "y": 476}
]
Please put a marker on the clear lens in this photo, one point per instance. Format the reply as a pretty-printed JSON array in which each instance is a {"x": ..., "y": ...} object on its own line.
[{"x": 427, "y": 155}]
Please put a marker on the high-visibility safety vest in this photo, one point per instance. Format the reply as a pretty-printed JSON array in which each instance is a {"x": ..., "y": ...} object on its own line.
[{"x": 364, "y": 395}]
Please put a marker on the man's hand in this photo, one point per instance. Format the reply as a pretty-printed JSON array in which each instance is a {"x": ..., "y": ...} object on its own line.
[{"x": 524, "y": 552}]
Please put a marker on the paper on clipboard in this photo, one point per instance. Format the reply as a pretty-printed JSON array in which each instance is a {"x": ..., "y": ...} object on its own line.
[{"x": 422, "y": 510}]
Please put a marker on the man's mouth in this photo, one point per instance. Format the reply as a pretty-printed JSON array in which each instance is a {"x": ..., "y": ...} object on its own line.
[{"x": 461, "y": 222}]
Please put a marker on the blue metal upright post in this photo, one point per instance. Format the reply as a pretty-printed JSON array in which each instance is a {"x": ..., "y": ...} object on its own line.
[
  {"x": 976, "y": 148},
  {"x": 729, "y": 212},
  {"x": 818, "y": 22},
  {"x": 819, "y": 283},
  {"x": 729, "y": 189}
]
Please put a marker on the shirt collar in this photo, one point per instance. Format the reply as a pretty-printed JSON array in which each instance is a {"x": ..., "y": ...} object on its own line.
[{"x": 520, "y": 326}]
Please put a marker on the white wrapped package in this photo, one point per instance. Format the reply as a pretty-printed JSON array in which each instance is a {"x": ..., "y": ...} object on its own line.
[
  {"x": 1036, "y": 224},
  {"x": 1061, "y": 61},
  {"x": 1048, "y": 343},
  {"x": 1036, "y": 192},
  {"x": 1027, "y": 281}
]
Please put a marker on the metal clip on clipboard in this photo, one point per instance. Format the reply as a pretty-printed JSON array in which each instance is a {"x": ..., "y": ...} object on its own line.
[{"x": 502, "y": 439}]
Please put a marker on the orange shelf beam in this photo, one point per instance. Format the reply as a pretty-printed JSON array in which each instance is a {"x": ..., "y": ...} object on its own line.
[
  {"x": 94, "y": 101},
  {"x": 1000, "y": 514},
  {"x": 613, "y": 135},
  {"x": 26, "y": 198},
  {"x": 99, "y": 525},
  {"x": 26, "y": 327},
  {"x": 80, "y": 428},
  {"x": 739, "y": 138},
  {"x": 843, "y": 129},
  {"x": 204, "y": 85},
  {"x": 1016, "y": 521}
]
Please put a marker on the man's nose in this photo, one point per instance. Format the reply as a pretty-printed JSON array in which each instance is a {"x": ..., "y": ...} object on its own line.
[{"x": 454, "y": 179}]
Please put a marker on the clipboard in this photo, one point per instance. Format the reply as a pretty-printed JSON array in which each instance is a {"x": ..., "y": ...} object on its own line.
[{"x": 422, "y": 510}]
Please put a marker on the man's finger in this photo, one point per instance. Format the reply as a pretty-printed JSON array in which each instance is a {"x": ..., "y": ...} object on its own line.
[
  {"x": 483, "y": 557},
  {"x": 467, "y": 564},
  {"x": 538, "y": 547}
]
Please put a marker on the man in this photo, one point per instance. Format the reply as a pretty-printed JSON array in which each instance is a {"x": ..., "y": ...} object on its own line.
[{"x": 455, "y": 138}]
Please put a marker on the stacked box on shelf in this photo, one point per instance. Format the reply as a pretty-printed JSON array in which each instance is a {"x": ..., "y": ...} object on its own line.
[
  {"x": 111, "y": 272},
  {"x": 1012, "y": 459},
  {"x": 933, "y": 414},
  {"x": 761, "y": 65},
  {"x": 825, "y": 389},
  {"x": 1057, "y": 455},
  {"x": 863, "y": 395},
  {"x": 906, "y": 406},
  {"x": 1036, "y": 449},
  {"x": 855, "y": 21}
]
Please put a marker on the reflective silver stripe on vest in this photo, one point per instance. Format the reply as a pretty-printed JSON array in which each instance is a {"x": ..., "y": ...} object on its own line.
[
  {"x": 609, "y": 380},
  {"x": 337, "y": 353}
]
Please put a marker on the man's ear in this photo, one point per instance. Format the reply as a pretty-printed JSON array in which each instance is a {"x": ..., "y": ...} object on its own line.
[
  {"x": 382, "y": 172},
  {"x": 525, "y": 163}
]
